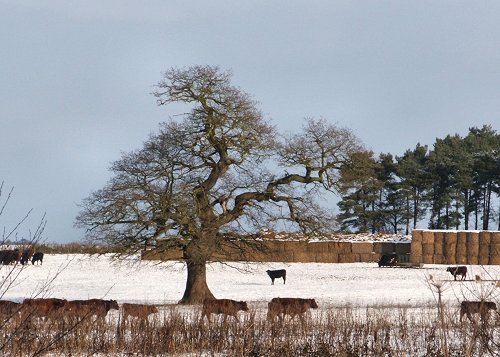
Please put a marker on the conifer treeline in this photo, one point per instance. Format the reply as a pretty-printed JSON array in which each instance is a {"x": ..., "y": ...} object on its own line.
[{"x": 454, "y": 185}]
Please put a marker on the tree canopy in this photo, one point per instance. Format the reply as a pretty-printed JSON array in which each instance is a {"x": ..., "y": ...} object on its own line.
[
  {"x": 218, "y": 172},
  {"x": 456, "y": 179}
]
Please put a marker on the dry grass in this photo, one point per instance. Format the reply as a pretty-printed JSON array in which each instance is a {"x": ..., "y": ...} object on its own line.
[{"x": 333, "y": 331}]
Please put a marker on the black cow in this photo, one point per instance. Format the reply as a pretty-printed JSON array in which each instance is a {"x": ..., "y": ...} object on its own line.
[
  {"x": 460, "y": 270},
  {"x": 26, "y": 255},
  {"x": 276, "y": 274},
  {"x": 388, "y": 260},
  {"x": 37, "y": 257},
  {"x": 9, "y": 256}
]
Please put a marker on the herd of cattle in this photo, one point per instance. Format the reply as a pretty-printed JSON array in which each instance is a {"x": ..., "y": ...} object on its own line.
[
  {"x": 75, "y": 310},
  {"x": 13, "y": 256},
  {"x": 53, "y": 308},
  {"x": 47, "y": 308}
]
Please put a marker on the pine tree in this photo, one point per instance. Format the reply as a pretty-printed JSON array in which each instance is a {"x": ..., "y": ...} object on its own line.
[{"x": 414, "y": 181}]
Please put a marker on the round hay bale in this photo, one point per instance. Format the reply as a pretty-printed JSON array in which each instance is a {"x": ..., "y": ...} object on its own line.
[
  {"x": 362, "y": 248},
  {"x": 495, "y": 248},
  {"x": 439, "y": 259},
  {"x": 416, "y": 248},
  {"x": 472, "y": 247},
  {"x": 428, "y": 249},
  {"x": 416, "y": 235},
  {"x": 416, "y": 259},
  {"x": 484, "y": 247},
  {"x": 438, "y": 243},
  {"x": 428, "y": 259},
  {"x": 428, "y": 237},
  {"x": 461, "y": 249},
  {"x": 495, "y": 238},
  {"x": 494, "y": 254},
  {"x": 494, "y": 260},
  {"x": 450, "y": 247}
]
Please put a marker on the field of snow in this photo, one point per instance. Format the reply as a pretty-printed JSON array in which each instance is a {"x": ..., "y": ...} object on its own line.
[{"x": 77, "y": 276}]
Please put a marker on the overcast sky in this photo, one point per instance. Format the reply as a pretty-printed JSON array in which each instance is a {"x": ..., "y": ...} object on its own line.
[{"x": 76, "y": 78}]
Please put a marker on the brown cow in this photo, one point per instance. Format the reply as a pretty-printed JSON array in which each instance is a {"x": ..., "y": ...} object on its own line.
[
  {"x": 289, "y": 306},
  {"x": 459, "y": 270},
  {"x": 79, "y": 310},
  {"x": 9, "y": 310},
  {"x": 222, "y": 306},
  {"x": 91, "y": 307},
  {"x": 141, "y": 311},
  {"x": 43, "y": 308},
  {"x": 476, "y": 307}
]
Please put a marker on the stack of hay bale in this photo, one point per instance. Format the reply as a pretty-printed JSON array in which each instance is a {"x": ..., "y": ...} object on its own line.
[{"x": 455, "y": 247}]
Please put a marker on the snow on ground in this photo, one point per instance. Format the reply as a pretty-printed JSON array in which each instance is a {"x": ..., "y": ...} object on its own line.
[{"x": 78, "y": 276}]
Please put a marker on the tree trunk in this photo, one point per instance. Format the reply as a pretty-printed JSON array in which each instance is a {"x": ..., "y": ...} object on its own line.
[
  {"x": 476, "y": 217},
  {"x": 466, "y": 209},
  {"x": 415, "y": 207},
  {"x": 196, "y": 285},
  {"x": 447, "y": 215},
  {"x": 499, "y": 217},
  {"x": 407, "y": 230},
  {"x": 487, "y": 207}
]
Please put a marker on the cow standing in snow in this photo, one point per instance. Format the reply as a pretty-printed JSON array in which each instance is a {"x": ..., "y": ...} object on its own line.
[
  {"x": 289, "y": 306},
  {"x": 225, "y": 307},
  {"x": 276, "y": 274},
  {"x": 460, "y": 270}
]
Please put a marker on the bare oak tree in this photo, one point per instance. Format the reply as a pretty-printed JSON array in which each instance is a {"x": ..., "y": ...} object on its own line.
[{"x": 216, "y": 175}]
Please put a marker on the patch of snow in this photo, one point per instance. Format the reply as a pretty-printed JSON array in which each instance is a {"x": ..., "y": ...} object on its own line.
[{"x": 78, "y": 276}]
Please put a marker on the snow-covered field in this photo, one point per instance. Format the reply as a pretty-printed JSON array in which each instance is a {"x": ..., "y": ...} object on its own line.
[{"x": 76, "y": 276}]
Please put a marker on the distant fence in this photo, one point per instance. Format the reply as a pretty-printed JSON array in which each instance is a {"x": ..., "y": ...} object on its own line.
[{"x": 455, "y": 247}]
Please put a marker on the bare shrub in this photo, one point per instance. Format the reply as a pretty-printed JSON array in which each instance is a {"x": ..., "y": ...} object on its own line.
[{"x": 333, "y": 331}]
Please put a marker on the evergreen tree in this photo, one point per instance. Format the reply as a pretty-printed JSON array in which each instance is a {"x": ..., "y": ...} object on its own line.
[
  {"x": 414, "y": 181},
  {"x": 443, "y": 165},
  {"x": 360, "y": 194},
  {"x": 485, "y": 147},
  {"x": 392, "y": 199}
]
